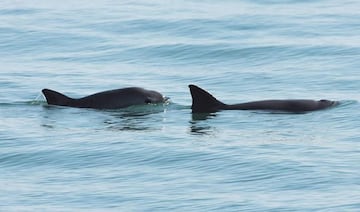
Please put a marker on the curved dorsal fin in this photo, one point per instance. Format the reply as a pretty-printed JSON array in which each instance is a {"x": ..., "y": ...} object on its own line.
[
  {"x": 56, "y": 98},
  {"x": 203, "y": 101}
]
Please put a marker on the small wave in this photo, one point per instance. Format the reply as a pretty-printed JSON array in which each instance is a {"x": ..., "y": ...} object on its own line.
[
  {"x": 346, "y": 103},
  {"x": 38, "y": 100},
  {"x": 22, "y": 103},
  {"x": 18, "y": 11}
]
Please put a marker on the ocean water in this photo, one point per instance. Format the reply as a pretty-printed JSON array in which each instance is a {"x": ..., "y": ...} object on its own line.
[{"x": 162, "y": 157}]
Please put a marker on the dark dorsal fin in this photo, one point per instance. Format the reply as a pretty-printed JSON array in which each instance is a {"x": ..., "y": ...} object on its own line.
[
  {"x": 204, "y": 102},
  {"x": 56, "y": 98}
]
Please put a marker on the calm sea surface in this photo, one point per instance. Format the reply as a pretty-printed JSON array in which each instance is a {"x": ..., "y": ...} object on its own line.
[{"x": 161, "y": 157}]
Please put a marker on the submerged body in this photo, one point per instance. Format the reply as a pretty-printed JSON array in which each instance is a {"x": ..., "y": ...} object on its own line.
[
  {"x": 204, "y": 102},
  {"x": 112, "y": 99}
]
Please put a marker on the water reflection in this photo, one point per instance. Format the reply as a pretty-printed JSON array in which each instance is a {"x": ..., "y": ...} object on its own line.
[
  {"x": 133, "y": 120},
  {"x": 202, "y": 116},
  {"x": 199, "y": 124},
  {"x": 137, "y": 118}
]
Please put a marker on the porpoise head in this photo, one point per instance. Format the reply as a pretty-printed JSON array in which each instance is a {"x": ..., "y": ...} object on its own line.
[
  {"x": 324, "y": 103},
  {"x": 154, "y": 97}
]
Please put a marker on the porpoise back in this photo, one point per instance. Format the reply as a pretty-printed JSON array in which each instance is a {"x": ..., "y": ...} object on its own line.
[
  {"x": 204, "y": 102},
  {"x": 112, "y": 99}
]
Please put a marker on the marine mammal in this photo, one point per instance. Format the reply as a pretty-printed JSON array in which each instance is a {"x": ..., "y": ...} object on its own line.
[
  {"x": 111, "y": 99},
  {"x": 204, "y": 102}
]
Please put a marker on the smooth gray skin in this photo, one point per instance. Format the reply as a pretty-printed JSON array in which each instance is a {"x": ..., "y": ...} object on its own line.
[
  {"x": 112, "y": 99},
  {"x": 204, "y": 102}
]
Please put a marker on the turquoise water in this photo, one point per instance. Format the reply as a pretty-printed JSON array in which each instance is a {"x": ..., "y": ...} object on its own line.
[{"x": 161, "y": 157}]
